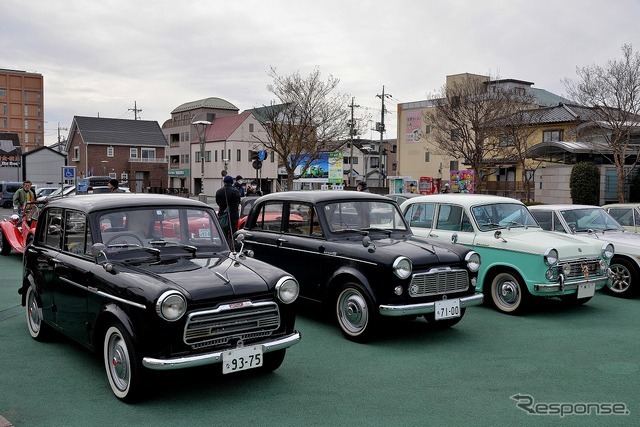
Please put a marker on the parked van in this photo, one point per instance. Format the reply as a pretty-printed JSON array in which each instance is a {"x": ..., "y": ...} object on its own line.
[{"x": 7, "y": 189}]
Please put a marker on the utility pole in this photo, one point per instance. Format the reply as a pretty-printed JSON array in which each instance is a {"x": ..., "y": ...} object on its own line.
[
  {"x": 59, "y": 129},
  {"x": 380, "y": 128},
  {"x": 135, "y": 110},
  {"x": 351, "y": 124}
]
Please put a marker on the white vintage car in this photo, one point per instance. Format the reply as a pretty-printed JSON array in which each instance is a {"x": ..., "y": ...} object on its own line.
[
  {"x": 595, "y": 222},
  {"x": 520, "y": 261},
  {"x": 627, "y": 214}
]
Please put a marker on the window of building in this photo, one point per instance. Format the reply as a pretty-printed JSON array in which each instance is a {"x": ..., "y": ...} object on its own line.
[
  {"x": 5, "y": 123},
  {"x": 453, "y": 165},
  {"x": 273, "y": 156},
  {"x": 148, "y": 153},
  {"x": 198, "y": 157},
  {"x": 76, "y": 153},
  {"x": 427, "y": 129},
  {"x": 215, "y": 156},
  {"x": 455, "y": 134},
  {"x": 124, "y": 177},
  {"x": 518, "y": 90},
  {"x": 207, "y": 156},
  {"x": 374, "y": 162},
  {"x": 4, "y": 109},
  {"x": 26, "y": 124},
  {"x": 250, "y": 127},
  {"x": 3, "y": 92},
  {"x": 552, "y": 135},
  {"x": 506, "y": 141},
  {"x": 426, "y": 157},
  {"x": 26, "y": 95},
  {"x": 110, "y": 151},
  {"x": 26, "y": 110},
  {"x": 238, "y": 155},
  {"x": 133, "y": 153},
  {"x": 26, "y": 137}
]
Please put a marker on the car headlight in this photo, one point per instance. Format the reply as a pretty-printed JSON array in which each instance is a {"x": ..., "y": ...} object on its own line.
[
  {"x": 550, "y": 256},
  {"x": 473, "y": 261},
  {"x": 287, "y": 289},
  {"x": 171, "y": 306},
  {"x": 402, "y": 267},
  {"x": 607, "y": 250}
]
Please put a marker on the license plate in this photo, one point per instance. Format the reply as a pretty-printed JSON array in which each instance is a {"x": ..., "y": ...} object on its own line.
[
  {"x": 204, "y": 232},
  {"x": 586, "y": 290},
  {"x": 241, "y": 359},
  {"x": 447, "y": 309}
]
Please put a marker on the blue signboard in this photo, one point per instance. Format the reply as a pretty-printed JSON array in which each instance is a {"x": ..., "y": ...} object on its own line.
[{"x": 69, "y": 172}]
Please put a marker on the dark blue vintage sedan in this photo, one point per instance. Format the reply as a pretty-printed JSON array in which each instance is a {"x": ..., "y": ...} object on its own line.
[
  {"x": 355, "y": 253},
  {"x": 148, "y": 282}
]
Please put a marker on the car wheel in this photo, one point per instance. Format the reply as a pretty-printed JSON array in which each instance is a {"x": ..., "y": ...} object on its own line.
[
  {"x": 355, "y": 312},
  {"x": 508, "y": 294},
  {"x": 38, "y": 330},
  {"x": 5, "y": 247},
  {"x": 273, "y": 360},
  {"x": 444, "y": 323},
  {"x": 121, "y": 362},
  {"x": 623, "y": 282}
]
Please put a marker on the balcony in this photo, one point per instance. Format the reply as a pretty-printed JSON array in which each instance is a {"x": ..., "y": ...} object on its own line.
[{"x": 147, "y": 160}]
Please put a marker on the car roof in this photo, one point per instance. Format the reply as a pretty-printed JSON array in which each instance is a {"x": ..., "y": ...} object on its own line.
[
  {"x": 622, "y": 205},
  {"x": 464, "y": 199},
  {"x": 560, "y": 207},
  {"x": 96, "y": 202},
  {"x": 318, "y": 196}
]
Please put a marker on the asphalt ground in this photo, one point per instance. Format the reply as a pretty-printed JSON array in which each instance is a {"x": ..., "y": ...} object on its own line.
[{"x": 557, "y": 359}]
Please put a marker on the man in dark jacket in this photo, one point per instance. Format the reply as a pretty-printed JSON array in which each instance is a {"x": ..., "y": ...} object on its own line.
[
  {"x": 238, "y": 185},
  {"x": 228, "y": 201}
]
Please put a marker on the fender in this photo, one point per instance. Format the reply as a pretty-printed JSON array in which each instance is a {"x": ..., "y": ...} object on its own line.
[
  {"x": 111, "y": 311},
  {"x": 349, "y": 271}
]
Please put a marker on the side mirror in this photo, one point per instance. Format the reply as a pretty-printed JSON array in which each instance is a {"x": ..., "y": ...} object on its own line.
[{"x": 454, "y": 238}]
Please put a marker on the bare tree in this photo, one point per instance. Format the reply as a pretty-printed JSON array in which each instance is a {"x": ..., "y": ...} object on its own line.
[
  {"x": 463, "y": 121},
  {"x": 304, "y": 120},
  {"x": 613, "y": 91},
  {"x": 514, "y": 138}
]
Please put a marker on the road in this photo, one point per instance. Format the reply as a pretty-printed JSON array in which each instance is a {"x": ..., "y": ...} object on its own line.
[{"x": 412, "y": 375}]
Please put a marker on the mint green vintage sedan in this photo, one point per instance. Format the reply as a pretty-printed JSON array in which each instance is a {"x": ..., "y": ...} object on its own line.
[{"x": 520, "y": 261}]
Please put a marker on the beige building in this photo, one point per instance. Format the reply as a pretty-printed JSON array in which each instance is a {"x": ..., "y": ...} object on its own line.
[
  {"x": 22, "y": 107},
  {"x": 418, "y": 154}
]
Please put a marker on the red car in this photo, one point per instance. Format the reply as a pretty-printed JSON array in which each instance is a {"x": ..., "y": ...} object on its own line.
[{"x": 16, "y": 234}]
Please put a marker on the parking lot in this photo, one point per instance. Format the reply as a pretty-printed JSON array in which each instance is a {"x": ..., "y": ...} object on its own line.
[{"x": 546, "y": 367}]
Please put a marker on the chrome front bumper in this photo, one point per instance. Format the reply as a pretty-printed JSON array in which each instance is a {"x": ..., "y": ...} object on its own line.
[
  {"x": 215, "y": 357},
  {"x": 427, "y": 307},
  {"x": 562, "y": 286}
]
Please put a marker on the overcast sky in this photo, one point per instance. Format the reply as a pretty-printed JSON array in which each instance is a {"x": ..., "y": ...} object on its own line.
[{"x": 99, "y": 57}]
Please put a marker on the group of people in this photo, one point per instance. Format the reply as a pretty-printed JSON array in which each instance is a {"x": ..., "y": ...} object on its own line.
[{"x": 228, "y": 201}]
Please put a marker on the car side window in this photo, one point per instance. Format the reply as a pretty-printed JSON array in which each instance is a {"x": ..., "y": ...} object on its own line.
[
  {"x": 450, "y": 218},
  {"x": 623, "y": 216},
  {"x": 77, "y": 237},
  {"x": 52, "y": 233},
  {"x": 270, "y": 217},
  {"x": 301, "y": 219},
  {"x": 544, "y": 219},
  {"x": 420, "y": 215}
]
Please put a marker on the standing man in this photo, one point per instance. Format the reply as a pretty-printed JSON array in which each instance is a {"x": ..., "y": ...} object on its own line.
[
  {"x": 238, "y": 185},
  {"x": 113, "y": 186},
  {"x": 362, "y": 186},
  {"x": 22, "y": 196},
  {"x": 228, "y": 201}
]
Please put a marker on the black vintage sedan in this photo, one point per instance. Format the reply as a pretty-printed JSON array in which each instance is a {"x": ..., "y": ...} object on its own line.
[
  {"x": 147, "y": 281},
  {"x": 355, "y": 253}
]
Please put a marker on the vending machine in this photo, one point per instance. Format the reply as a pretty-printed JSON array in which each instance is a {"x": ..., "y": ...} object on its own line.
[{"x": 428, "y": 185}]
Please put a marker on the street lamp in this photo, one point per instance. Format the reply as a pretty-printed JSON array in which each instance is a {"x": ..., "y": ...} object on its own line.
[{"x": 201, "y": 127}]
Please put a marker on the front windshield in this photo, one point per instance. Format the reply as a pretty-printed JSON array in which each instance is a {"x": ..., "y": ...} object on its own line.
[
  {"x": 363, "y": 216},
  {"x": 160, "y": 228},
  {"x": 58, "y": 191},
  {"x": 597, "y": 219},
  {"x": 502, "y": 215}
]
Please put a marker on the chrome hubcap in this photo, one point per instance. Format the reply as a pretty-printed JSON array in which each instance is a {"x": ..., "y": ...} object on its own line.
[
  {"x": 352, "y": 311},
  {"x": 621, "y": 279},
  {"x": 508, "y": 292}
]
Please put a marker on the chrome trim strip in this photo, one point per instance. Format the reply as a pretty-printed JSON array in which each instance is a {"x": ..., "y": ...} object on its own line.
[
  {"x": 216, "y": 356},
  {"x": 103, "y": 294},
  {"x": 427, "y": 307}
]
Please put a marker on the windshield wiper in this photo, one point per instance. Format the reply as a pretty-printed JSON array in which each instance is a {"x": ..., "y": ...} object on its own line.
[
  {"x": 384, "y": 230},
  {"x": 162, "y": 243}
]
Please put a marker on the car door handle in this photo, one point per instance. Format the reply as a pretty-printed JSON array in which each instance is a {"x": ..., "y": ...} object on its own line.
[
  {"x": 280, "y": 241},
  {"x": 433, "y": 235}
]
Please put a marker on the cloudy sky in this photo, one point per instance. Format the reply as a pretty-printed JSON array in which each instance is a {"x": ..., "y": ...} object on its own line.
[{"x": 101, "y": 57}]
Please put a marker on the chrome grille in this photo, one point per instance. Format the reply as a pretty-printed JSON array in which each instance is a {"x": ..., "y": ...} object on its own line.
[
  {"x": 577, "y": 272},
  {"x": 439, "y": 281},
  {"x": 231, "y": 321}
]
